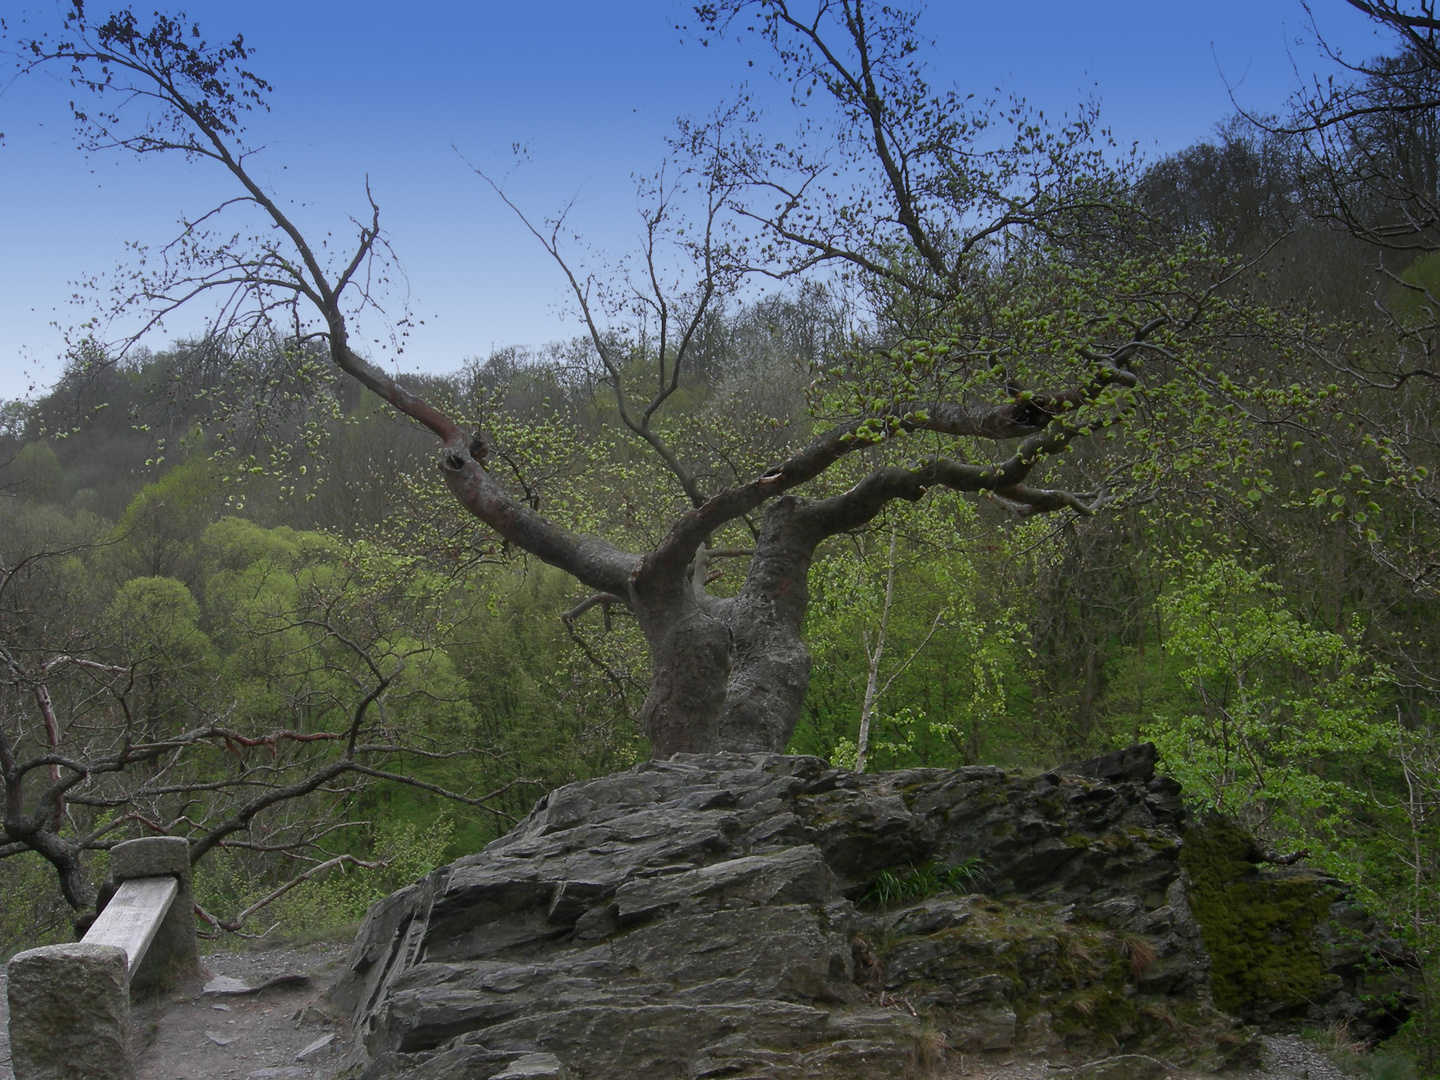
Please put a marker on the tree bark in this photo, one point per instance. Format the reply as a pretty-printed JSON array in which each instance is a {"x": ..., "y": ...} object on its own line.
[
  {"x": 689, "y": 661},
  {"x": 770, "y": 669},
  {"x": 730, "y": 674}
]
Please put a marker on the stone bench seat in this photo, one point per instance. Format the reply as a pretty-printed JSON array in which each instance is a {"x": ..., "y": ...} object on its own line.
[
  {"x": 133, "y": 916},
  {"x": 70, "y": 1004}
]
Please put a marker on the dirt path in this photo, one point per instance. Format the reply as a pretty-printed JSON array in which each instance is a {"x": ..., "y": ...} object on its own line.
[
  {"x": 191, "y": 1034},
  {"x": 211, "y": 1027}
]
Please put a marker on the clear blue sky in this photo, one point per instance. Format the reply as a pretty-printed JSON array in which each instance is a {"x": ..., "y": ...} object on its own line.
[{"x": 367, "y": 87}]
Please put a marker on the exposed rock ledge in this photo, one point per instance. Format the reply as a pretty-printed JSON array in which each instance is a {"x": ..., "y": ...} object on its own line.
[{"x": 698, "y": 917}]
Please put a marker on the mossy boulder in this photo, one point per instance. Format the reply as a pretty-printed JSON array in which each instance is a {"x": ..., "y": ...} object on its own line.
[
  {"x": 1041, "y": 977},
  {"x": 1289, "y": 944}
]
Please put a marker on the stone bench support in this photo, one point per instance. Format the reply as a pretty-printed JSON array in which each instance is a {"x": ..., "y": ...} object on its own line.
[
  {"x": 174, "y": 951},
  {"x": 70, "y": 1004}
]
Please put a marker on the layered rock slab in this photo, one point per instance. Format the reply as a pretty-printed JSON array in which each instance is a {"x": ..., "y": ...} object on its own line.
[{"x": 723, "y": 915}]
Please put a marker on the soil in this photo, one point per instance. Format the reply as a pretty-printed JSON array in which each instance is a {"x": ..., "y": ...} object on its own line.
[{"x": 206, "y": 1028}]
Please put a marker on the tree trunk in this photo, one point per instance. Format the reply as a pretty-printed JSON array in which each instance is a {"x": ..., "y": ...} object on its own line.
[
  {"x": 731, "y": 674},
  {"x": 728, "y": 673},
  {"x": 770, "y": 663},
  {"x": 690, "y": 662},
  {"x": 74, "y": 881},
  {"x": 769, "y": 676}
]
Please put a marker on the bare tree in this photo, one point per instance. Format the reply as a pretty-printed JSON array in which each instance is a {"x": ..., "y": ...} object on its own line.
[
  {"x": 1415, "y": 22},
  {"x": 106, "y": 733},
  {"x": 1001, "y": 260},
  {"x": 1371, "y": 137}
]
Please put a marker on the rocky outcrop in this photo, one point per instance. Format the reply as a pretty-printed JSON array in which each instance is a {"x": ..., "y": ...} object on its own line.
[{"x": 760, "y": 915}]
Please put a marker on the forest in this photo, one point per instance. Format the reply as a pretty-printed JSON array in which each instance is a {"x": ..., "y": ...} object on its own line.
[{"x": 1094, "y": 450}]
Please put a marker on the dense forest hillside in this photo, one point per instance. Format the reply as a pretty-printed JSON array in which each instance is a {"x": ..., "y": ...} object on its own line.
[{"x": 238, "y": 602}]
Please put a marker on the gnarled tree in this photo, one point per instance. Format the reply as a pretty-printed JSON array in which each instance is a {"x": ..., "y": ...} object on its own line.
[{"x": 1001, "y": 265}]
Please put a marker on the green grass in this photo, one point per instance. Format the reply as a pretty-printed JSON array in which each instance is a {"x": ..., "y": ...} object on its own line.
[{"x": 894, "y": 888}]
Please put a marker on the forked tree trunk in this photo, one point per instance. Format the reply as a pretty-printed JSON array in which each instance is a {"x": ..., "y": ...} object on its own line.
[
  {"x": 769, "y": 676},
  {"x": 729, "y": 678},
  {"x": 732, "y": 673},
  {"x": 689, "y": 665}
]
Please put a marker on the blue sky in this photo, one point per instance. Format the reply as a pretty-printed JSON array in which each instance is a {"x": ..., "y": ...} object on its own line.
[{"x": 408, "y": 95}]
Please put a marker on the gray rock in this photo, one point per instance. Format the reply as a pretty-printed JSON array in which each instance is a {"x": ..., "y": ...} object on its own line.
[
  {"x": 533, "y": 1067},
  {"x": 315, "y": 1048},
  {"x": 698, "y": 917},
  {"x": 224, "y": 984},
  {"x": 731, "y": 955},
  {"x": 1131, "y": 763},
  {"x": 792, "y": 875},
  {"x": 1120, "y": 1067},
  {"x": 470, "y": 1063}
]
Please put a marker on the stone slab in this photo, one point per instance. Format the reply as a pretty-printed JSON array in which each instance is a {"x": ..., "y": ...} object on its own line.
[
  {"x": 150, "y": 856},
  {"x": 133, "y": 915}
]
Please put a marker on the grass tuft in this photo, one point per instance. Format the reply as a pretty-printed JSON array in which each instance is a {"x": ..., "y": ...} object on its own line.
[{"x": 893, "y": 888}]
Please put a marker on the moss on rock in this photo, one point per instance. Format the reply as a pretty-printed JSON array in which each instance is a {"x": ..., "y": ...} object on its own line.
[
  {"x": 1266, "y": 962},
  {"x": 1007, "y": 973}
]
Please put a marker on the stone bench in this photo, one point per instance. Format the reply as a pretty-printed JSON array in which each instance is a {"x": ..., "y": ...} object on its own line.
[{"x": 70, "y": 1004}]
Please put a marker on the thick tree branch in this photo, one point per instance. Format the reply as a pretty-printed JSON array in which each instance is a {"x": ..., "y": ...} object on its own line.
[{"x": 1040, "y": 418}]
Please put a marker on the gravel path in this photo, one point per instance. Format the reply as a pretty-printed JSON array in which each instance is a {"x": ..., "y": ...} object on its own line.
[{"x": 1291, "y": 1056}]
